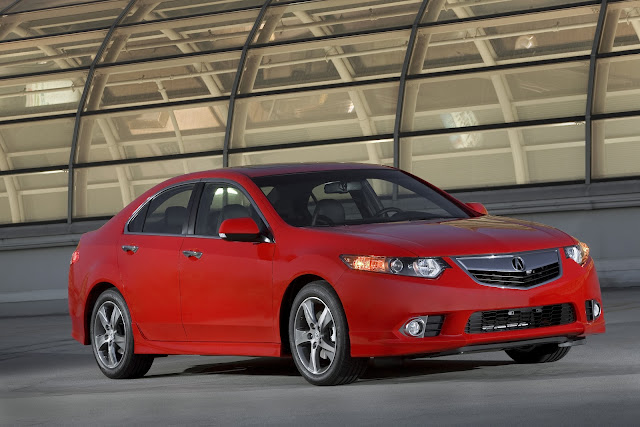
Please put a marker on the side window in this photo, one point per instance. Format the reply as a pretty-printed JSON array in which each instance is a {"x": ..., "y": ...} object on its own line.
[
  {"x": 165, "y": 214},
  {"x": 220, "y": 202}
]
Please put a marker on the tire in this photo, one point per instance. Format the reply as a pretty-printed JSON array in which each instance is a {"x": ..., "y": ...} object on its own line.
[
  {"x": 540, "y": 353},
  {"x": 112, "y": 338},
  {"x": 319, "y": 337}
]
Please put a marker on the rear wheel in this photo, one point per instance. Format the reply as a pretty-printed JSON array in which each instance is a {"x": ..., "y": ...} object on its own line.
[
  {"x": 112, "y": 338},
  {"x": 540, "y": 353},
  {"x": 319, "y": 337}
]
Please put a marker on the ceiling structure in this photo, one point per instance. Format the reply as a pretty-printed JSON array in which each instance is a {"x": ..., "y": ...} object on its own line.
[{"x": 101, "y": 100}]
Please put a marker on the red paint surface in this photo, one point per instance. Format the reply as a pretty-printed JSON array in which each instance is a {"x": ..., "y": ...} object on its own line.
[{"x": 229, "y": 301}]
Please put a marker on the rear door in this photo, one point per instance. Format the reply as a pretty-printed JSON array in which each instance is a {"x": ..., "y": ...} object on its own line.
[{"x": 148, "y": 262}]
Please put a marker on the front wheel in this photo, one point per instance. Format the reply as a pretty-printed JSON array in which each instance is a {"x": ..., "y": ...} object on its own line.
[
  {"x": 540, "y": 353},
  {"x": 112, "y": 338},
  {"x": 319, "y": 337}
]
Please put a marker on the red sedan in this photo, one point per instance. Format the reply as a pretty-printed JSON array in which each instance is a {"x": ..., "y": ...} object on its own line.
[{"x": 327, "y": 263}]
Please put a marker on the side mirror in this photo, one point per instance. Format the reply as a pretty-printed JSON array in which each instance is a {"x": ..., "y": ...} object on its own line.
[
  {"x": 242, "y": 229},
  {"x": 478, "y": 207}
]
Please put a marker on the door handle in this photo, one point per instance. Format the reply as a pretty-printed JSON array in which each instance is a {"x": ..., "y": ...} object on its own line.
[
  {"x": 130, "y": 248},
  {"x": 190, "y": 254}
]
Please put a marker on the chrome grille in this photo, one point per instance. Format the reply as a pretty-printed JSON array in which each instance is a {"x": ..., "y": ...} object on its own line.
[
  {"x": 524, "y": 279},
  {"x": 522, "y": 270},
  {"x": 520, "y": 318}
]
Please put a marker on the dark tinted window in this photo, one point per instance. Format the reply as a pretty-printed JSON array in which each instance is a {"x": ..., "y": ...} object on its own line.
[
  {"x": 221, "y": 201},
  {"x": 165, "y": 214},
  {"x": 135, "y": 225}
]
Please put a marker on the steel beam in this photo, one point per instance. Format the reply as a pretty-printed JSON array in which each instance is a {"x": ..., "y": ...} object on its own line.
[
  {"x": 403, "y": 79},
  {"x": 590, "y": 95},
  {"x": 81, "y": 106},
  {"x": 236, "y": 82}
]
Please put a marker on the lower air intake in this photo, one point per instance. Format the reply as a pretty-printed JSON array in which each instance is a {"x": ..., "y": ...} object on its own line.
[
  {"x": 433, "y": 326},
  {"x": 520, "y": 318}
]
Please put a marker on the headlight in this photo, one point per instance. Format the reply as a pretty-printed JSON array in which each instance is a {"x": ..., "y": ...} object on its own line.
[
  {"x": 430, "y": 268},
  {"x": 579, "y": 253}
]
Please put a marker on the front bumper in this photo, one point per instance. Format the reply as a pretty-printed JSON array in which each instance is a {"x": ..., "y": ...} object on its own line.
[{"x": 378, "y": 306}]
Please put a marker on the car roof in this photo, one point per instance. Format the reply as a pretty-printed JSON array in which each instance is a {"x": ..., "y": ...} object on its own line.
[{"x": 291, "y": 168}]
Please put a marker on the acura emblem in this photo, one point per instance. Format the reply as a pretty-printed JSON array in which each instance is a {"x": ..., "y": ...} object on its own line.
[{"x": 517, "y": 263}]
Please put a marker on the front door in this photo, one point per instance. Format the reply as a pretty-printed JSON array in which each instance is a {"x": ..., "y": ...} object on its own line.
[{"x": 226, "y": 287}]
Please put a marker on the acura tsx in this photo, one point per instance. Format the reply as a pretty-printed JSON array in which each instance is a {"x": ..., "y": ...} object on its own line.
[{"x": 329, "y": 264}]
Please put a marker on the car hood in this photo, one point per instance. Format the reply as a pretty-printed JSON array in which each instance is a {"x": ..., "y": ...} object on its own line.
[{"x": 480, "y": 235}]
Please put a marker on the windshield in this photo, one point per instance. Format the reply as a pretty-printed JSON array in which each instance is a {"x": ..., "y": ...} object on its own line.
[{"x": 352, "y": 197}]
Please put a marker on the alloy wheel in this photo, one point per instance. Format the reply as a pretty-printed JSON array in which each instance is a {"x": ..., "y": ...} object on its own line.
[
  {"x": 110, "y": 335},
  {"x": 315, "y": 335}
]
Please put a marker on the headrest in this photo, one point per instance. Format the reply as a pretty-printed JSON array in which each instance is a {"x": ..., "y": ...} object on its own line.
[
  {"x": 174, "y": 218},
  {"x": 332, "y": 209},
  {"x": 233, "y": 211}
]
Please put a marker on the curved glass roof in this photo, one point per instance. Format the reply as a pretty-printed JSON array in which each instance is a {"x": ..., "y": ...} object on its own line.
[{"x": 100, "y": 100}]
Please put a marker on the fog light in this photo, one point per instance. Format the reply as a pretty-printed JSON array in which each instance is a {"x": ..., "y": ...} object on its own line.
[
  {"x": 593, "y": 310},
  {"x": 596, "y": 310},
  {"x": 415, "y": 327}
]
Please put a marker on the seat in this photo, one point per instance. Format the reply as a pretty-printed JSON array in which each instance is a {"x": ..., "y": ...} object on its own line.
[
  {"x": 232, "y": 211},
  {"x": 329, "y": 211},
  {"x": 174, "y": 219},
  {"x": 212, "y": 223}
]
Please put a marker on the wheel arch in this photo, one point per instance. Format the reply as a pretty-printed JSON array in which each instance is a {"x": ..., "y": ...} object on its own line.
[
  {"x": 285, "y": 307},
  {"x": 92, "y": 296}
]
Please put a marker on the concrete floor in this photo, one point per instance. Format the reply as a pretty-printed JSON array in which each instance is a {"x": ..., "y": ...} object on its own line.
[{"x": 47, "y": 378}]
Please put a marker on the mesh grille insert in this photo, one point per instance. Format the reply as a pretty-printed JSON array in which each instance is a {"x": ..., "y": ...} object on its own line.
[
  {"x": 520, "y": 318},
  {"x": 524, "y": 279}
]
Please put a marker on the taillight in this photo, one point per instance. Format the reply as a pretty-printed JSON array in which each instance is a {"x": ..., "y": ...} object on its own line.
[{"x": 75, "y": 256}]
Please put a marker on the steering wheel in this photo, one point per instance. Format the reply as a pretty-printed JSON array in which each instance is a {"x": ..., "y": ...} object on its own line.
[{"x": 387, "y": 210}]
